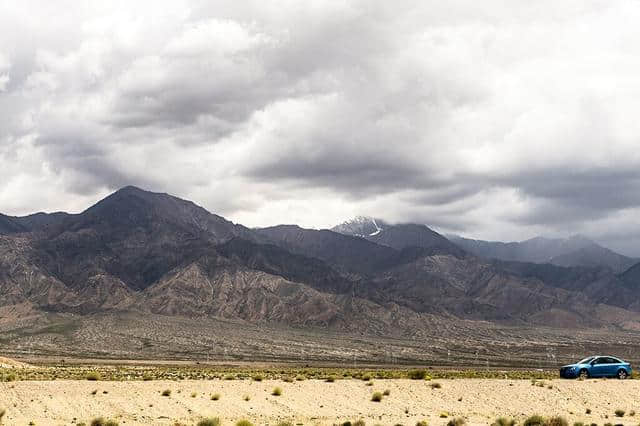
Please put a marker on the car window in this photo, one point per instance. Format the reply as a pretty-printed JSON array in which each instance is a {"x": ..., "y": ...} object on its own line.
[
  {"x": 599, "y": 361},
  {"x": 612, "y": 360},
  {"x": 586, "y": 360}
]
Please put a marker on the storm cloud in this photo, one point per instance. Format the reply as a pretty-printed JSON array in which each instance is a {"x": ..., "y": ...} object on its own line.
[{"x": 499, "y": 120}]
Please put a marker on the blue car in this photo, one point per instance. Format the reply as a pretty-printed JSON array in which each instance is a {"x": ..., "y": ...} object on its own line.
[{"x": 597, "y": 366}]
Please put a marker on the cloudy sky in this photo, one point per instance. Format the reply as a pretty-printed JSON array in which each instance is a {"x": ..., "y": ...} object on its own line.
[{"x": 495, "y": 119}]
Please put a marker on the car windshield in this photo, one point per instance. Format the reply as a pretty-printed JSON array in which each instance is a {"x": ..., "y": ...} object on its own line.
[{"x": 586, "y": 360}]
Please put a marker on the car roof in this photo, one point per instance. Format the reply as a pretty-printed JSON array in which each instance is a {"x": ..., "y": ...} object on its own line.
[{"x": 606, "y": 356}]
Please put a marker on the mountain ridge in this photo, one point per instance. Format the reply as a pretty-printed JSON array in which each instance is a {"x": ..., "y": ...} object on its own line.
[{"x": 153, "y": 253}]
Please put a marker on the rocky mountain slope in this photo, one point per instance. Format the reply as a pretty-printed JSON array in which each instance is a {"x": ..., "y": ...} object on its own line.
[
  {"x": 572, "y": 251},
  {"x": 146, "y": 254}
]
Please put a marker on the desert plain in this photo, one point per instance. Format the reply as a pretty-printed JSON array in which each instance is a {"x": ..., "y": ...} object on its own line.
[{"x": 318, "y": 402}]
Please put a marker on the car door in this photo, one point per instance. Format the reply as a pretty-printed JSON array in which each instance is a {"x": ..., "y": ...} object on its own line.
[
  {"x": 612, "y": 366},
  {"x": 598, "y": 367}
]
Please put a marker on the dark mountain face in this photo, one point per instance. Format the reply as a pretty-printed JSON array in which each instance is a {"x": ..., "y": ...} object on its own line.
[
  {"x": 133, "y": 235},
  {"x": 146, "y": 252},
  {"x": 9, "y": 225},
  {"x": 631, "y": 277},
  {"x": 349, "y": 254}
]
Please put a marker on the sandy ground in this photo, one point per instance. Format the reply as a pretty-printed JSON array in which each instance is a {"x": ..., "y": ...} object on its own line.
[
  {"x": 314, "y": 402},
  {"x": 10, "y": 363}
]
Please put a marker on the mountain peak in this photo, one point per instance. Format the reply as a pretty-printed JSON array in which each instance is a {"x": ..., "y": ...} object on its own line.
[{"x": 361, "y": 226}]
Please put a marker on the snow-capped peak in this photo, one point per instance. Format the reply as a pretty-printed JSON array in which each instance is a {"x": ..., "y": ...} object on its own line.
[{"x": 360, "y": 226}]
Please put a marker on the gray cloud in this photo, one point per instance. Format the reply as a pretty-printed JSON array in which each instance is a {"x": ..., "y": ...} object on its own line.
[{"x": 495, "y": 120}]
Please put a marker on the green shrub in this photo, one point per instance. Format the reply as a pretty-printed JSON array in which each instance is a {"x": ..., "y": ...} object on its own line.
[
  {"x": 619, "y": 412},
  {"x": 458, "y": 421},
  {"x": 556, "y": 421},
  {"x": 329, "y": 379},
  {"x": 356, "y": 423},
  {"x": 417, "y": 374},
  {"x": 422, "y": 423},
  {"x": 287, "y": 379},
  {"x": 300, "y": 377},
  {"x": 100, "y": 421},
  {"x": 258, "y": 378},
  {"x": 93, "y": 376},
  {"x": 376, "y": 397},
  {"x": 276, "y": 391},
  {"x": 211, "y": 421},
  {"x": 444, "y": 415},
  {"x": 11, "y": 377},
  {"x": 166, "y": 392},
  {"x": 386, "y": 392},
  {"x": 534, "y": 420},
  {"x": 578, "y": 424},
  {"x": 503, "y": 421},
  {"x": 244, "y": 423}
]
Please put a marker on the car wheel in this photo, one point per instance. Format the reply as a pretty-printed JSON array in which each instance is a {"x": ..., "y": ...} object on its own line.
[
  {"x": 584, "y": 374},
  {"x": 622, "y": 374}
]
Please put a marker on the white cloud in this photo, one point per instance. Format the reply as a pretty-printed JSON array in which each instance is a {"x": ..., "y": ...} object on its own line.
[{"x": 498, "y": 120}]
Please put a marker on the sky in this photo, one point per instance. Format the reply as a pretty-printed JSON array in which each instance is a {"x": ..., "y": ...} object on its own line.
[{"x": 498, "y": 120}]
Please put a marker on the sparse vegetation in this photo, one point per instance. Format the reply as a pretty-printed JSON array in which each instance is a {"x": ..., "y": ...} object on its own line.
[
  {"x": 258, "y": 378},
  {"x": 444, "y": 415},
  {"x": 101, "y": 421},
  {"x": 211, "y": 421},
  {"x": 246, "y": 397},
  {"x": 503, "y": 421},
  {"x": 435, "y": 385},
  {"x": 93, "y": 375},
  {"x": 244, "y": 423},
  {"x": 285, "y": 424},
  {"x": 215, "y": 397},
  {"x": 619, "y": 412},
  {"x": 417, "y": 374},
  {"x": 194, "y": 394},
  {"x": 376, "y": 397},
  {"x": 386, "y": 392},
  {"x": 276, "y": 391},
  {"x": 458, "y": 421},
  {"x": 587, "y": 411},
  {"x": 166, "y": 392},
  {"x": 422, "y": 423},
  {"x": 534, "y": 420},
  {"x": 329, "y": 379},
  {"x": 556, "y": 421}
]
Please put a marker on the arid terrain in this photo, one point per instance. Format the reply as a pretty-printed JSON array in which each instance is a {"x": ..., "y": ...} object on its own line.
[{"x": 317, "y": 402}]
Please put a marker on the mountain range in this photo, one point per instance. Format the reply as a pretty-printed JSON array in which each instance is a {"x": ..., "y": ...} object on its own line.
[{"x": 142, "y": 253}]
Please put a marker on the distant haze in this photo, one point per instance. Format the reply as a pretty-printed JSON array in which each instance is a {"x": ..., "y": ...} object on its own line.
[{"x": 491, "y": 120}]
